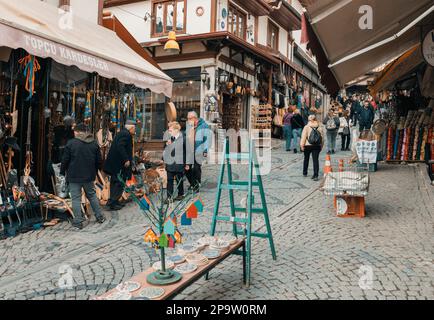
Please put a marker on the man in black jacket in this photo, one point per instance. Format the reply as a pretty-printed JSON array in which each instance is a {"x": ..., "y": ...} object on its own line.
[
  {"x": 81, "y": 161},
  {"x": 119, "y": 160}
]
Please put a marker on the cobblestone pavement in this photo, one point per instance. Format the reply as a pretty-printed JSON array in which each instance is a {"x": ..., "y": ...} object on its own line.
[{"x": 319, "y": 256}]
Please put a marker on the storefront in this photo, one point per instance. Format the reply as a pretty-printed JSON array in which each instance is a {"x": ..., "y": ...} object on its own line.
[{"x": 53, "y": 77}]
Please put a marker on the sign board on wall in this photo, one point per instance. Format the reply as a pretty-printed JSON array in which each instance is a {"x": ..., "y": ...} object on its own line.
[{"x": 428, "y": 48}]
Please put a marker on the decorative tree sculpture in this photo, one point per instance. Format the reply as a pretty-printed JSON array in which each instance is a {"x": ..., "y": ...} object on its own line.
[{"x": 163, "y": 214}]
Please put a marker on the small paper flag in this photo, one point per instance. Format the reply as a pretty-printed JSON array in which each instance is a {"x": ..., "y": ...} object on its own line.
[
  {"x": 163, "y": 241},
  {"x": 185, "y": 221},
  {"x": 192, "y": 212},
  {"x": 172, "y": 242},
  {"x": 178, "y": 236},
  {"x": 199, "y": 205},
  {"x": 169, "y": 227},
  {"x": 145, "y": 202},
  {"x": 150, "y": 235}
]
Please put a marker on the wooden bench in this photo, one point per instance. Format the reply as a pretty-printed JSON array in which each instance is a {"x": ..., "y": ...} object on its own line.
[{"x": 187, "y": 279}]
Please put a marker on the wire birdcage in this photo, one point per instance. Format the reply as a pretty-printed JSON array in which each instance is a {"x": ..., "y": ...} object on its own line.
[{"x": 346, "y": 178}]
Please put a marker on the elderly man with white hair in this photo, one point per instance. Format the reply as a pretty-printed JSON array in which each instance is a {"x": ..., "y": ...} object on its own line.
[
  {"x": 198, "y": 139},
  {"x": 119, "y": 160}
]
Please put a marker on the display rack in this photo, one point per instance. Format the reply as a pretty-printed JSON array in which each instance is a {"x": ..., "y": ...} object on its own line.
[{"x": 261, "y": 116}]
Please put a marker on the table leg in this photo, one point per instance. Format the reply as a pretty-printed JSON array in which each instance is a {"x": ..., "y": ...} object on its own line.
[{"x": 244, "y": 263}]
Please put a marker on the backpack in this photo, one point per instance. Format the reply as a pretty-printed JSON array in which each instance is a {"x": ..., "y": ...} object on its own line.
[
  {"x": 314, "y": 138},
  {"x": 331, "y": 124}
]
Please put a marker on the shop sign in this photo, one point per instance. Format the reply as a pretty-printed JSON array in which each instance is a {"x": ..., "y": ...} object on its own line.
[
  {"x": 367, "y": 151},
  {"x": 428, "y": 48}
]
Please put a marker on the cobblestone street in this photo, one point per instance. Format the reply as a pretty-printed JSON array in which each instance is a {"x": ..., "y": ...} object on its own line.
[{"x": 319, "y": 256}]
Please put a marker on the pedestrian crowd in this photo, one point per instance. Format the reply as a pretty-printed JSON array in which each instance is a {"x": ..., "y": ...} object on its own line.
[
  {"x": 345, "y": 117},
  {"x": 183, "y": 156}
]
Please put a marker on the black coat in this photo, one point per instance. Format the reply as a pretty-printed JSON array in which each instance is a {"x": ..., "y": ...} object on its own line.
[
  {"x": 297, "y": 122},
  {"x": 81, "y": 160},
  {"x": 366, "y": 116},
  {"x": 120, "y": 152},
  {"x": 174, "y": 155}
]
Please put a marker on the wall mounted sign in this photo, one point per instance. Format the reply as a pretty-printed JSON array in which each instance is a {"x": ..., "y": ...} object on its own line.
[
  {"x": 200, "y": 11},
  {"x": 428, "y": 48}
]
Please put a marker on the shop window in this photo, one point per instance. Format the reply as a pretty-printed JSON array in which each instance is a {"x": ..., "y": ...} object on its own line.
[
  {"x": 273, "y": 36},
  {"x": 186, "y": 91},
  {"x": 237, "y": 22},
  {"x": 168, "y": 16}
]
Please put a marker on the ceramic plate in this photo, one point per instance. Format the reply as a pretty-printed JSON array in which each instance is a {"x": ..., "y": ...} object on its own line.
[
  {"x": 197, "y": 259},
  {"x": 211, "y": 253},
  {"x": 151, "y": 292},
  {"x": 177, "y": 259},
  {"x": 186, "y": 268},
  {"x": 229, "y": 238},
  {"x": 219, "y": 245},
  {"x": 119, "y": 296},
  {"x": 206, "y": 240},
  {"x": 129, "y": 286},
  {"x": 157, "y": 265},
  {"x": 187, "y": 248}
]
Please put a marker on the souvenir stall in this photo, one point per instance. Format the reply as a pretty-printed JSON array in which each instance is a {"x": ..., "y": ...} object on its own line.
[{"x": 46, "y": 86}]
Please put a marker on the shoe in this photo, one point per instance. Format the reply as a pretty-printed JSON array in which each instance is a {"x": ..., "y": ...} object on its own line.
[
  {"x": 77, "y": 226},
  {"x": 115, "y": 207},
  {"x": 100, "y": 220},
  {"x": 333, "y": 151},
  {"x": 179, "y": 198},
  {"x": 329, "y": 152},
  {"x": 305, "y": 175},
  {"x": 315, "y": 178},
  {"x": 295, "y": 150}
]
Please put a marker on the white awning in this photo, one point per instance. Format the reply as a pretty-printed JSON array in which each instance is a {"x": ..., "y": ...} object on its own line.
[
  {"x": 37, "y": 28},
  {"x": 336, "y": 24}
]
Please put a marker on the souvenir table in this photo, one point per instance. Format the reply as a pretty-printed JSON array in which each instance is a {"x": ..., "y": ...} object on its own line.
[{"x": 173, "y": 289}]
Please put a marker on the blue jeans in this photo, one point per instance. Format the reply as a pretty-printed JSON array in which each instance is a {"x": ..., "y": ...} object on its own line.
[
  {"x": 89, "y": 190},
  {"x": 331, "y": 139},
  {"x": 287, "y": 133},
  {"x": 296, "y": 135}
]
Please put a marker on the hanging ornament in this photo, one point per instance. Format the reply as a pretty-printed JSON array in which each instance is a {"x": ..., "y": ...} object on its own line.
[
  {"x": 87, "y": 110},
  {"x": 31, "y": 66}
]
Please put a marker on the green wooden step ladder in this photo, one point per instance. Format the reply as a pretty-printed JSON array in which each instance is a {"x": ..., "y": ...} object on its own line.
[{"x": 254, "y": 181}]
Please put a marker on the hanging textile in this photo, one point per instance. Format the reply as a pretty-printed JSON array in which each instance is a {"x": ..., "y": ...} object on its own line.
[{"x": 31, "y": 66}]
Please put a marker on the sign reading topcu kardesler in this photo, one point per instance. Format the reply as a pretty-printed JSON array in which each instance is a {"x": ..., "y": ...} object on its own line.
[{"x": 428, "y": 48}]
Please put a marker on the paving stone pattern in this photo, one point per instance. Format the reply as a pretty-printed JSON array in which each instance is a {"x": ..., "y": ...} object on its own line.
[{"x": 319, "y": 255}]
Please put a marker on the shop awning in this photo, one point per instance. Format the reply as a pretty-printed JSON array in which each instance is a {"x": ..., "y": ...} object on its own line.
[
  {"x": 42, "y": 31},
  {"x": 339, "y": 35},
  {"x": 398, "y": 69}
]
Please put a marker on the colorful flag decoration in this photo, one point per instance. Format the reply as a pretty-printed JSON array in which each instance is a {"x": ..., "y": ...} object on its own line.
[
  {"x": 199, "y": 205},
  {"x": 169, "y": 227},
  {"x": 192, "y": 212},
  {"x": 172, "y": 241},
  {"x": 185, "y": 221},
  {"x": 178, "y": 236},
  {"x": 145, "y": 202},
  {"x": 150, "y": 236},
  {"x": 163, "y": 241}
]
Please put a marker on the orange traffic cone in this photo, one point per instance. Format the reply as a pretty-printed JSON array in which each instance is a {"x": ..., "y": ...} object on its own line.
[
  {"x": 327, "y": 165},
  {"x": 341, "y": 165}
]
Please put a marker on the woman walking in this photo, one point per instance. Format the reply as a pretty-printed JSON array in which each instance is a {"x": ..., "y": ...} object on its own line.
[
  {"x": 287, "y": 127},
  {"x": 311, "y": 144},
  {"x": 297, "y": 124},
  {"x": 344, "y": 130},
  {"x": 332, "y": 123}
]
